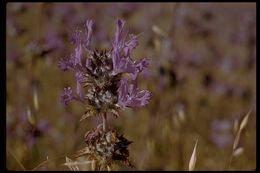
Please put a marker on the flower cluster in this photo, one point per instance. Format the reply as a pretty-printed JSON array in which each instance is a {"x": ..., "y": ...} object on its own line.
[
  {"x": 105, "y": 147},
  {"x": 106, "y": 88},
  {"x": 26, "y": 127},
  {"x": 106, "y": 81}
]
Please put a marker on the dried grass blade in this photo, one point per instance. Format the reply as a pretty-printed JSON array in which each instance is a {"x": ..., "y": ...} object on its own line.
[
  {"x": 193, "y": 158},
  {"x": 244, "y": 121}
]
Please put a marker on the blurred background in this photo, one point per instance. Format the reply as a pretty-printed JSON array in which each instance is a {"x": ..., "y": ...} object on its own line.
[{"x": 202, "y": 75}]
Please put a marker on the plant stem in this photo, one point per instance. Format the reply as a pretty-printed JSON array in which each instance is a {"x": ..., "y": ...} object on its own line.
[
  {"x": 104, "y": 118},
  {"x": 230, "y": 160}
]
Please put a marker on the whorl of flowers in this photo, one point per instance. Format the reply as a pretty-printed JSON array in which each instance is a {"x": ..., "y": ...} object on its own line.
[
  {"x": 106, "y": 80},
  {"x": 101, "y": 81},
  {"x": 105, "y": 147}
]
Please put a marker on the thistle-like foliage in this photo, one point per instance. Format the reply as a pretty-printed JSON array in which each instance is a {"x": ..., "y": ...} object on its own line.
[
  {"x": 105, "y": 147},
  {"x": 105, "y": 82}
]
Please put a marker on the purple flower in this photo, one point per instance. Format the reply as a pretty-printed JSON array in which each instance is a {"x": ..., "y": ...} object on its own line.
[
  {"x": 53, "y": 41},
  {"x": 67, "y": 96},
  {"x": 118, "y": 40},
  {"x": 131, "y": 44},
  {"x": 43, "y": 125},
  {"x": 78, "y": 55},
  {"x": 27, "y": 128},
  {"x": 79, "y": 79},
  {"x": 66, "y": 63},
  {"x": 89, "y": 30},
  {"x": 161, "y": 84},
  {"x": 30, "y": 141},
  {"x": 122, "y": 64},
  {"x": 74, "y": 62},
  {"x": 101, "y": 68},
  {"x": 221, "y": 134},
  {"x": 140, "y": 66},
  {"x": 76, "y": 38},
  {"x": 79, "y": 39},
  {"x": 130, "y": 96},
  {"x": 121, "y": 59}
]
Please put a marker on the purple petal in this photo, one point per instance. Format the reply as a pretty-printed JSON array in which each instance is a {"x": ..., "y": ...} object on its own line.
[
  {"x": 144, "y": 96},
  {"x": 131, "y": 44},
  {"x": 139, "y": 67},
  {"x": 122, "y": 64},
  {"x": 89, "y": 28},
  {"x": 141, "y": 99},
  {"x": 76, "y": 37},
  {"x": 78, "y": 55},
  {"x": 129, "y": 96},
  {"x": 119, "y": 34},
  {"x": 121, "y": 51},
  {"x": 122, "y": 93},
  {"x": 126, "y": 65},
  {"x": 79, "y": 78},
  {"x": 133, "y": 88},
  {"x": 115, "y": 60},
  {"x": 117, "y": 46},
  {"x": 143, "y": 63}
]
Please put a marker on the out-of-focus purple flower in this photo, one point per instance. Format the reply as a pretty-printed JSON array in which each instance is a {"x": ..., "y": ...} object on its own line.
[
  {"x": 70, "y": 118},
  {"x": 43, "y": 125},
  {"x": 23, "y": 118},
  {"x": 76, "y": 38},
  {"x": 63, "y": 9},
  {"x": 66, "y": 63},
  {"x": 221, "y": 133},
  {"x": 67, "y": 96},
  {"x": 26, "y": 128},
  {"x": 218, "y": 88},
  {"x": 129, "y": 7},
  {"x": 100, "y": 35},
  {"x": 12, "y": 55},
  {"x": 161, "y": 84},
  {"x": 30, "y": 141},
  {"x": 130, "y": 96},
  {"x": 52, "y": 41},
  {"x": 65, "y": 12}
]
